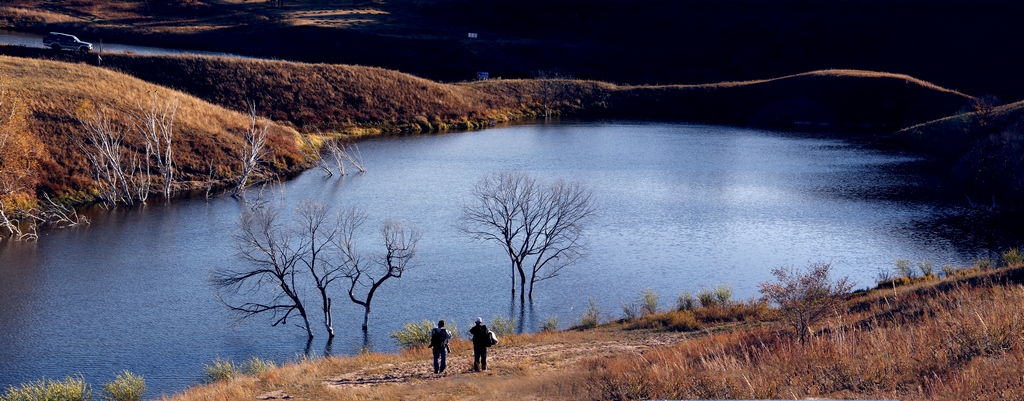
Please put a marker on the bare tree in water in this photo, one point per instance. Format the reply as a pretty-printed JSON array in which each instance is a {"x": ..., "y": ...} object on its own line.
[
  {"x": 317, "y": 236},
  {"x": 365, "y": 276},
  {"x": 254, "y": 149},
  {"x": 272, "y": 271},
  {"x": 539, "y": 227}
]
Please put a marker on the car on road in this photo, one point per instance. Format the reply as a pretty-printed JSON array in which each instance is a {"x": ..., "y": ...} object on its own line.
[{"x": 63, "y": 41}]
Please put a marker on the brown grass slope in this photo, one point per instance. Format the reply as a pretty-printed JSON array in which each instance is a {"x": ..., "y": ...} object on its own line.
[
  {"x": 54, "y": 92},
  {"x": 953, "y": 339},
  {"x": 634, "y": 41},
  {"x": 339, "y": 97}
]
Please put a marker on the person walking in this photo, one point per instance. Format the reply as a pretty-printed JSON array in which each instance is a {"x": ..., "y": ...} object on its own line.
[
  {"x": 439, "y": 337},
  {"x": 481, "y": 340}
]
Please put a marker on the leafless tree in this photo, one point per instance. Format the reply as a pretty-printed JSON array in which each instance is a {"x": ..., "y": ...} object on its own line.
[
  {"x": 314, "y": 154},
  {"x": 805, "y": 296},
  {"x": 317, "y": 235},
  {"x": 61, "y": 216},
  {"x": 553, "y": 85},
  {"x": 345, "y": 154},
  {"x": 399, "y": 248},
  {"x": 539, "y": 227},
  {"x": 104, "y": 148},
  {"x": 155, "y": 124},
  {"x": 13, "y": 224},
  {"x": 254, "y": 149},
  {"x": 273, "y": 260}
]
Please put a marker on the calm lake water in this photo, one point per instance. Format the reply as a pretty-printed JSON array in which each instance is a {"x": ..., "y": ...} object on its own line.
[{"x": 681, "y": 207}]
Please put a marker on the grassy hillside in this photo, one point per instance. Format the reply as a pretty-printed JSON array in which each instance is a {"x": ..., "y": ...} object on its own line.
[
  {"x": 56, "y": 94},
  {"x": 961, "y": 337},
  {"x": 961, "y": 44},
  {"x": 343, "y": 97}
]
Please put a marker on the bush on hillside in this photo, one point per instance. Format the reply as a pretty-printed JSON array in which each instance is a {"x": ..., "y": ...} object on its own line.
[{"x": 805, "y": 296}]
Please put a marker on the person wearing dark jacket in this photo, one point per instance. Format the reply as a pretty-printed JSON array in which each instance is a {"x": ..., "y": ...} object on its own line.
[
  {"x": 439, "y": 338},
  {"x": 481, "y": 340}
]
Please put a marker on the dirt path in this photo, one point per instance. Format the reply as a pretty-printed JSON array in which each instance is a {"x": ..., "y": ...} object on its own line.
[{"x": 501, "y": 360}]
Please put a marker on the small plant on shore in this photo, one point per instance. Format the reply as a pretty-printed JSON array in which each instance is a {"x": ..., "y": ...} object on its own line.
[
  {"x": 591, "y": 317},
  {"x": 502, "y": 326},
  {"x": 949, "y": 271},
  {"x": 127, "y": 386},
  {"x": 723, "y": 294},
  {"x": 220, "y": 370},
  {"x": 885, "y": 276},
  {"x": 906, "y": 270},
  {"x": 648, "y": 302},
  {"x": 255, "y": 366},
  {"x": 983, "y": 264},
  {"x": 414, "y": 334},
  {"x": 630, "y": 311},
  {"x": 926, "y": 267},
  {"x": 1013, "y": 258},
  {"x": 550, "y": 324},
  {"x": 69, "y": 389},
  {"x": 685, "y": 301},
  {"x": 706, "y": 298},
  {"x": 805, "y": 296}
]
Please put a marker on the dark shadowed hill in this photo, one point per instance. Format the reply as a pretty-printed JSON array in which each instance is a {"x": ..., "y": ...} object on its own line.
[{"x": 966, "y": 45}]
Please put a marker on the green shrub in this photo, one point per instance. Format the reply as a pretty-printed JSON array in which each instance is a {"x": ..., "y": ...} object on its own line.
[
  {"x": 221, "y": 369},
  {"x": 502, "y": 326},
  {"x": 414, "y": 334},
  {"x": 550, "y": 324},
  {"x": 69, "y": 389},
  {"x": 254, "y": 366},
  {"x": 685, "y": 301},
  {"x": 706, "y": 298},
  {"x": 983, "y": 264},
  {"x": 418, "y": 334},
  {"x": 630, "y": 311},
  {"x": 127, "y": 386},
  {"x": 949, "y": 271},
  {"x": 648, "y": 302},
  {"x": 926, "y": 267},
  {"x": 1013, "y": 258},
  {"x": 723, "y": 294},
  {"x": 903, "y": 266},
  {"x": 591, "y": 317}
]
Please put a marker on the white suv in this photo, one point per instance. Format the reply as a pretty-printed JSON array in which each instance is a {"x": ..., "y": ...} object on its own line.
[{"x": 59, "y": 41}]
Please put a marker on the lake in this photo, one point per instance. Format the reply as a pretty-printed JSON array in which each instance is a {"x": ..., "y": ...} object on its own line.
[{"x": 681, "y": 207}]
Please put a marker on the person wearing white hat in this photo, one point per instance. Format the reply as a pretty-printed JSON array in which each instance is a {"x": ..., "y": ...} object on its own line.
[{"x": 481, "y": 340}]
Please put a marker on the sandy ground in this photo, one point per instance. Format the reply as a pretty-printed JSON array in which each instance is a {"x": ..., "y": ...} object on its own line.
[{"x": 500, "y": 360}]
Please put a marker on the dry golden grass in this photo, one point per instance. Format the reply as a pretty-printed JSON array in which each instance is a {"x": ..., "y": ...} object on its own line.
[
  {"x": 374, "y": 100},
  {"x": 54, "y": 92},
  {"x": 957, "y": 339}
]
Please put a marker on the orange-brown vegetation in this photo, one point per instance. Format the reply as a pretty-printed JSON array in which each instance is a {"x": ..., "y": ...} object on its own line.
[
  {"x": 342, "y": 97},
  {"x": 55, "y": 94},
  {"x": 20, "y": 150},
  {"x": 952, "y": 339},
  {"x": 364, "y": 100}
]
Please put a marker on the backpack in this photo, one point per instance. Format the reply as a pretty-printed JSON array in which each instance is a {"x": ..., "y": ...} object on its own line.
[
  {"x": 438, "y": 338},
  {"x": 493, "y": 337}
]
